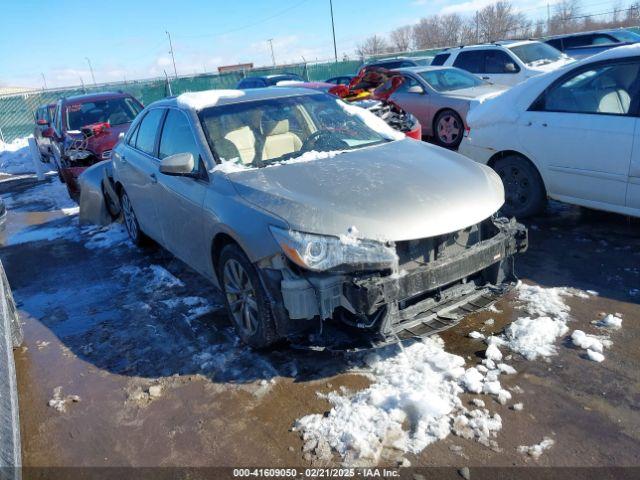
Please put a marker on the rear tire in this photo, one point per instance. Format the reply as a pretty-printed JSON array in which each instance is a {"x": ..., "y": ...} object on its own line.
[
  {"x": 245, "y": 298},
  {"x": 136, "y": 235},
  {"x": 448, "y": 129},
  {"x": 524, "y": 190}
]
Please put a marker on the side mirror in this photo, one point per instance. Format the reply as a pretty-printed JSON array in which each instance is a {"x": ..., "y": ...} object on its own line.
[
  {"x": 510, "y": 67},
  {"x": 42, "y": 122},
  {"x": 416, "y": 89},
  {"x": 48, "y": 133},
  {"x": 178, "y": 164}
]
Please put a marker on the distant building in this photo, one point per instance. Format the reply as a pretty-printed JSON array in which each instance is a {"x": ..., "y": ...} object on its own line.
[
  {"x": 13, "y": 90},
  {"x": 235, "y": 68}
]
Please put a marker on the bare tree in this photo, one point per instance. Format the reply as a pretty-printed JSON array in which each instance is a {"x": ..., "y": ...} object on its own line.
[
  {"x": 451, "y": 28},
  {"x": 564, "y": 18},
  {"x": 401, "y": 38},
  {"x": 499, "y": 21},
  {"x": 374, "y": 45}
]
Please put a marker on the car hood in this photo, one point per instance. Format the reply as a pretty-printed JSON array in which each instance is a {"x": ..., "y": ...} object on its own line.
[
  {"x": 551, "y": 66},
  {"x": 101, "y": 142},
  {"x": 477, "y": 93},
  {"x": 397, "y": 191}
]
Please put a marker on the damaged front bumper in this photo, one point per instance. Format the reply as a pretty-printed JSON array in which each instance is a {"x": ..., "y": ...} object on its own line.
[{"x": 454, "y": 275}]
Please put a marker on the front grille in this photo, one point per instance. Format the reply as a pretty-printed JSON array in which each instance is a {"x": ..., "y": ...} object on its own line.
[{"x": 413, "y": 253}]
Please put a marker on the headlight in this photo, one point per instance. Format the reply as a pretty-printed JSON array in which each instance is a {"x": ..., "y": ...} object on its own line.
[
  {"x": 78, "y": 154},
  {"x": 320, "y": 252}
]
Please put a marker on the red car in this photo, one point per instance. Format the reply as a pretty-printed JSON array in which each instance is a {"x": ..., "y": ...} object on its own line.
[
  {"x": 371, "y": 89},
  {"x": 85, "y": 129}
]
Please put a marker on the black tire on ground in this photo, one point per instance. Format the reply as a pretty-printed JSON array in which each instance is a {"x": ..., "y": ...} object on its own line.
[
  {"x": 136, "y": 235},
  {"x": 448, "y": 129},
  {"x": 524, "y": 190},
  {"x": 113, "y": 209},
  {"x": 60, "y": 174},
  {"x": 246, "y": 301}
]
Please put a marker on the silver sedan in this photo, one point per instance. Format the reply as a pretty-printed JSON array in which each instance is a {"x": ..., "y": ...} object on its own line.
[
  {"x": 440, "y": 97},
  {"x": 304, "y": 209}
]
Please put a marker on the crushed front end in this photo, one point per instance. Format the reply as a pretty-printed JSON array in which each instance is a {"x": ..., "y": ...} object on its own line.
[
  {"x": 81, "y": 150},
  {"x": 436, "y": 283}
]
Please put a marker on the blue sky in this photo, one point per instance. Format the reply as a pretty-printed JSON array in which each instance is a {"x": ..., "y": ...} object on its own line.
[{"x": 127, "y": 38}]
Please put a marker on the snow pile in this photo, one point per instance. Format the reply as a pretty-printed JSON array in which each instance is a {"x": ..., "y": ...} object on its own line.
[
  {"x": 15, "y": 157},
  {"x": 535, "y": 336},
  {"x": 592, "y": 344},
  {"x": 232, "y": 165},
  {"x": 372, "y": 121},
  {"x": 206, "y": 98},
  {"x": 289, "y": 83},
  {"x": 610, "y": 321},
  {"x": 417, "y": 388},
  {"x": 536, "y": 450}
]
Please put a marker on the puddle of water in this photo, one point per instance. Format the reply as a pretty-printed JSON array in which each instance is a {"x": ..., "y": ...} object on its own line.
[{"x": 18, "y": 221}]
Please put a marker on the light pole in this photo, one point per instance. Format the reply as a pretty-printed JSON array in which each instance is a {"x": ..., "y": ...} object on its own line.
[
  {"x": 45, "y": 81},
  {"x": 273, "y": 57},
  {"x": 333, "y": 29},
  {"x": 175, "y": 71},
  {"x": 91, "y": 70}
]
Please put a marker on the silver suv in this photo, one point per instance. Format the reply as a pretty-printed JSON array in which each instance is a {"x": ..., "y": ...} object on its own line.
[{"x": 302, "y": 209}]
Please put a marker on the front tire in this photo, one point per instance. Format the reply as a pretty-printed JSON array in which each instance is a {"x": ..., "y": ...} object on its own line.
[
  {"x": 131, "y": 221},
  {"x": 448, "y": 129},
  {"x": 524, "y": 190},
  {"x": 245, "y": 298}
]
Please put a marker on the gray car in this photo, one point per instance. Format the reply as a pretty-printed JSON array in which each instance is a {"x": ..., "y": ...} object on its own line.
[
  {"x": 440, "y": 97},
  {"x": 304, "y": 209}
]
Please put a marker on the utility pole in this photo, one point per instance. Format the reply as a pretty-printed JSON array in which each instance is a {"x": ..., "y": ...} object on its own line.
[
  {"x": 273, "y": 57},
  {"x": 477, "y": 28},
  {"x": 333, "y": 29},
  {"x": 548, "y": 19},
  {"x": 45, "y": 81},
  {"x": 175, "y": 71},
  {"x": 91, "y": 70}
]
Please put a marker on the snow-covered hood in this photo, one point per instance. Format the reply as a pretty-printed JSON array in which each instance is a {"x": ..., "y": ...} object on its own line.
[{"x": 400, "y": 190}]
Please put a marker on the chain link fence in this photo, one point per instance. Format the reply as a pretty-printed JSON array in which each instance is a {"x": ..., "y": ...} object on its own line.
[{"x": 17, "y": 110}]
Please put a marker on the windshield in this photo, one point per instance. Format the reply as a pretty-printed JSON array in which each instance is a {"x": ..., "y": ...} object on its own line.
[
  {"x": 536, "y": 53},
  {"x": 266, "y": 131},
  {"x": 116, "y": 111},
  {"x": 626, "y": 36},
  {"x": 449, "y": 79}
]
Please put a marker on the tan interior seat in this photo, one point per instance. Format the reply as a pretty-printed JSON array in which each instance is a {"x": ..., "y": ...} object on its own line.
[
  {"x": 245, "y": 141},
  {"x": 615, "y": 101},
  {"x": 278, "y": 139}
]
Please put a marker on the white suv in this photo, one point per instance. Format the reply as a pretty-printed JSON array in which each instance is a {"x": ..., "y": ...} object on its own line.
[{"x": 504, "y": 63}]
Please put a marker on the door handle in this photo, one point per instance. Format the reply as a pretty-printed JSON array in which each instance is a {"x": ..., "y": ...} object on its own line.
[
  {"x": 544, "y": 125},
  {"x": 486, "y": 78},
  {"x": 153, "y": 177}
]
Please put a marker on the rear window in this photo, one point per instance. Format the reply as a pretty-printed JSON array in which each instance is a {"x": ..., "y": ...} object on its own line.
[
  {"x": 440, "y": 59},
  {"x": 116, "y": 111}
]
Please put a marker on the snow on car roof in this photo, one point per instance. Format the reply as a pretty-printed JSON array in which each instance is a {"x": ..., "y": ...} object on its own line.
[{"x": 207, "y": 98}]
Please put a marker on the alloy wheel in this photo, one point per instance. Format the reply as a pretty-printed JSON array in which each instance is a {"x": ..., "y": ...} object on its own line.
[
  {"x": 449, "y": 129},
  {"x": 241, "y": 297}
]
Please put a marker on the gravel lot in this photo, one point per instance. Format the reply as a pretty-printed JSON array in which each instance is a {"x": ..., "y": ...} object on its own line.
[{"x": 124, "y": 365}]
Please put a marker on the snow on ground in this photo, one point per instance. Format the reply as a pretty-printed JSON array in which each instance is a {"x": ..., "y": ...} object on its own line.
[
  {"x": 610, "y": 321},
  {"x": 536, "y": 335},
  {"x": 412, "y": 402},
  {"x": 15, "y": 157},
  {"x": 536, "y": 450},
  {"x": 414, "y": 397}
]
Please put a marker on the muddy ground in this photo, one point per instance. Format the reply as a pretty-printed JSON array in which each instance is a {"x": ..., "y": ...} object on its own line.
[{"x": 105, "y": 334}]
